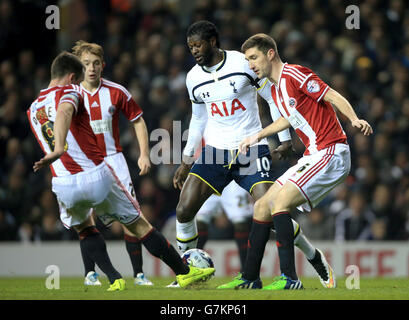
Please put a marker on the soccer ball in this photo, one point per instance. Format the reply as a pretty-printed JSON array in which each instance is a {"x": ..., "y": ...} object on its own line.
[{"x": 197, "y": 258}]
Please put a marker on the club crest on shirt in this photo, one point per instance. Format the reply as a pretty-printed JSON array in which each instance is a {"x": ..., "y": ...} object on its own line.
[
  {"x": 111, "y": 110},
  {"x": 313, "y": 86},
  {"x": 233, "y": 85},
  {"x": 41, "y": 115},
  {"x": 292, "y": 102}
]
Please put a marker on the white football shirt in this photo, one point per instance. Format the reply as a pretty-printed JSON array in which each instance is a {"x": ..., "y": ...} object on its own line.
[{"x": 228, "y": 94}]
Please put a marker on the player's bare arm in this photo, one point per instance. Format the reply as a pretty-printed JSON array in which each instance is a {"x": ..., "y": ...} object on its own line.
[
  {"x": 342, "y": 104},
  {"x": 182, "y": 172},
  {"x": 141, "y": 132},
  {"x": 61, "y": 126},
  {"x": 277, "y": 126},
  {"x": 285, "y": 149}
]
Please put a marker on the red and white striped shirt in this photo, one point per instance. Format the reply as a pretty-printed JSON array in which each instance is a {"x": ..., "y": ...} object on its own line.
[
  {"x": 82, "y": 152},
  {"x": 104, "y": 106},
  {"x": 299, "y": 97}
]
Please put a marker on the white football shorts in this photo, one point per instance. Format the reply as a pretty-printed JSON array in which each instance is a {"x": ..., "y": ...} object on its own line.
[
  {"x": 99, "y": 189},
  {"x": 317, "y": 174}
]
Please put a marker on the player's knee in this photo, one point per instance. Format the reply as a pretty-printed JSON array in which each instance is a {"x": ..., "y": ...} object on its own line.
[
  {"x": 262, "y": 210},
  {"x": 281, "y": 203},
  {"x": 139, "y": 228},
  {"x": 183, "y": 213}
]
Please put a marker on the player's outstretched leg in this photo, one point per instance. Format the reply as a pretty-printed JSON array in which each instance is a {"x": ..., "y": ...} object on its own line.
[
  {"x": 159, "y": 247},
  {"x": 315, "y": 257}
]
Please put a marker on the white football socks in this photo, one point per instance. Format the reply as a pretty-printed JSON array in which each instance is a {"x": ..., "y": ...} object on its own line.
[
  {"x": 302, "y": 242},
  {"x": 186, "y": 235}
]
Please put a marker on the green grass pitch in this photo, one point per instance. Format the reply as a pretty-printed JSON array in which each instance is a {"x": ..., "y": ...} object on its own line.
[{"x": 73, "y": 289}]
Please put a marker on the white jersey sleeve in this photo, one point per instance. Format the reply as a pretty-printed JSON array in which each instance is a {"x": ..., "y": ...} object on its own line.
[
  {"x": 264, "y": 91},
  {"x": 196, "y": 128},
  {"x": 71, "y": 95},
  {"x": 197, "y": 123}
]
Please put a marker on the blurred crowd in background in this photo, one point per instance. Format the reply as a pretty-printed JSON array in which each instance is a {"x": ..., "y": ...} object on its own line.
[{"x": 145, "y": 51}]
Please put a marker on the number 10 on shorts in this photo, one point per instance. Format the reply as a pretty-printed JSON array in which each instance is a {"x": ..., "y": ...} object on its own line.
[{"x": 263, "y": 164}]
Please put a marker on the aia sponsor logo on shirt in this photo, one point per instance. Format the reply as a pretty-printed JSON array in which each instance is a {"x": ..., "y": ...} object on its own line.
[
  {"x": 292, "y": 102},
  {"x": 313, "y": 86},
  {"x": 226, "y": 110}
]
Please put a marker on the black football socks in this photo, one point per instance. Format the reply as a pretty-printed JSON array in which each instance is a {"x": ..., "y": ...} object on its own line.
[
  {"x": 258, "y": 237},
  {"x": 159, "y": 247},
  {"x": 89, "y": 264},
  {"x": 285, "y": 243},
  {"x": 93, "y": 245},
  {"x": 134, "y": 249}
]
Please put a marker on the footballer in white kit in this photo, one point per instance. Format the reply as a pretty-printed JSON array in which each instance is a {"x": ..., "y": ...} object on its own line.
[
  {"x": 224, "y": 99},
  {"x": 224, "y": 102}
]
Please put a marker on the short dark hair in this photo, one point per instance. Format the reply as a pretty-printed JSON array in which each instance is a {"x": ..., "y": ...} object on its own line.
[
  {"x": 205, "y": 30},
  {"x": 66, "y": 63},
  {"x": 261, "y": 41}
]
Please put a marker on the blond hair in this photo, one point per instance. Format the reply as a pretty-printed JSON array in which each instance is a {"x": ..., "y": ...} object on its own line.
[{"x": 82, "y": 46}]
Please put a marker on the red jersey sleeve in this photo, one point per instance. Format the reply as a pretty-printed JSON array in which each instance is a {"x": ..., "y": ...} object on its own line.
[
  {"x": 71, "y": 94},
  {"x": 129, "y": 107},
  {"x": 312, "y": 85}
]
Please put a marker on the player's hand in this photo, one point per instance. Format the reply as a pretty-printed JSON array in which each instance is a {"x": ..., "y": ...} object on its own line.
[
  {"x": 246, "y": 143},
  {"x": 364, "y": 126},
  {"x": 180, "y": 175},
  {"x": 144, "y": 165},
  {"x": 47, "y": 160},
  {"x": 284, "y": 151}
]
